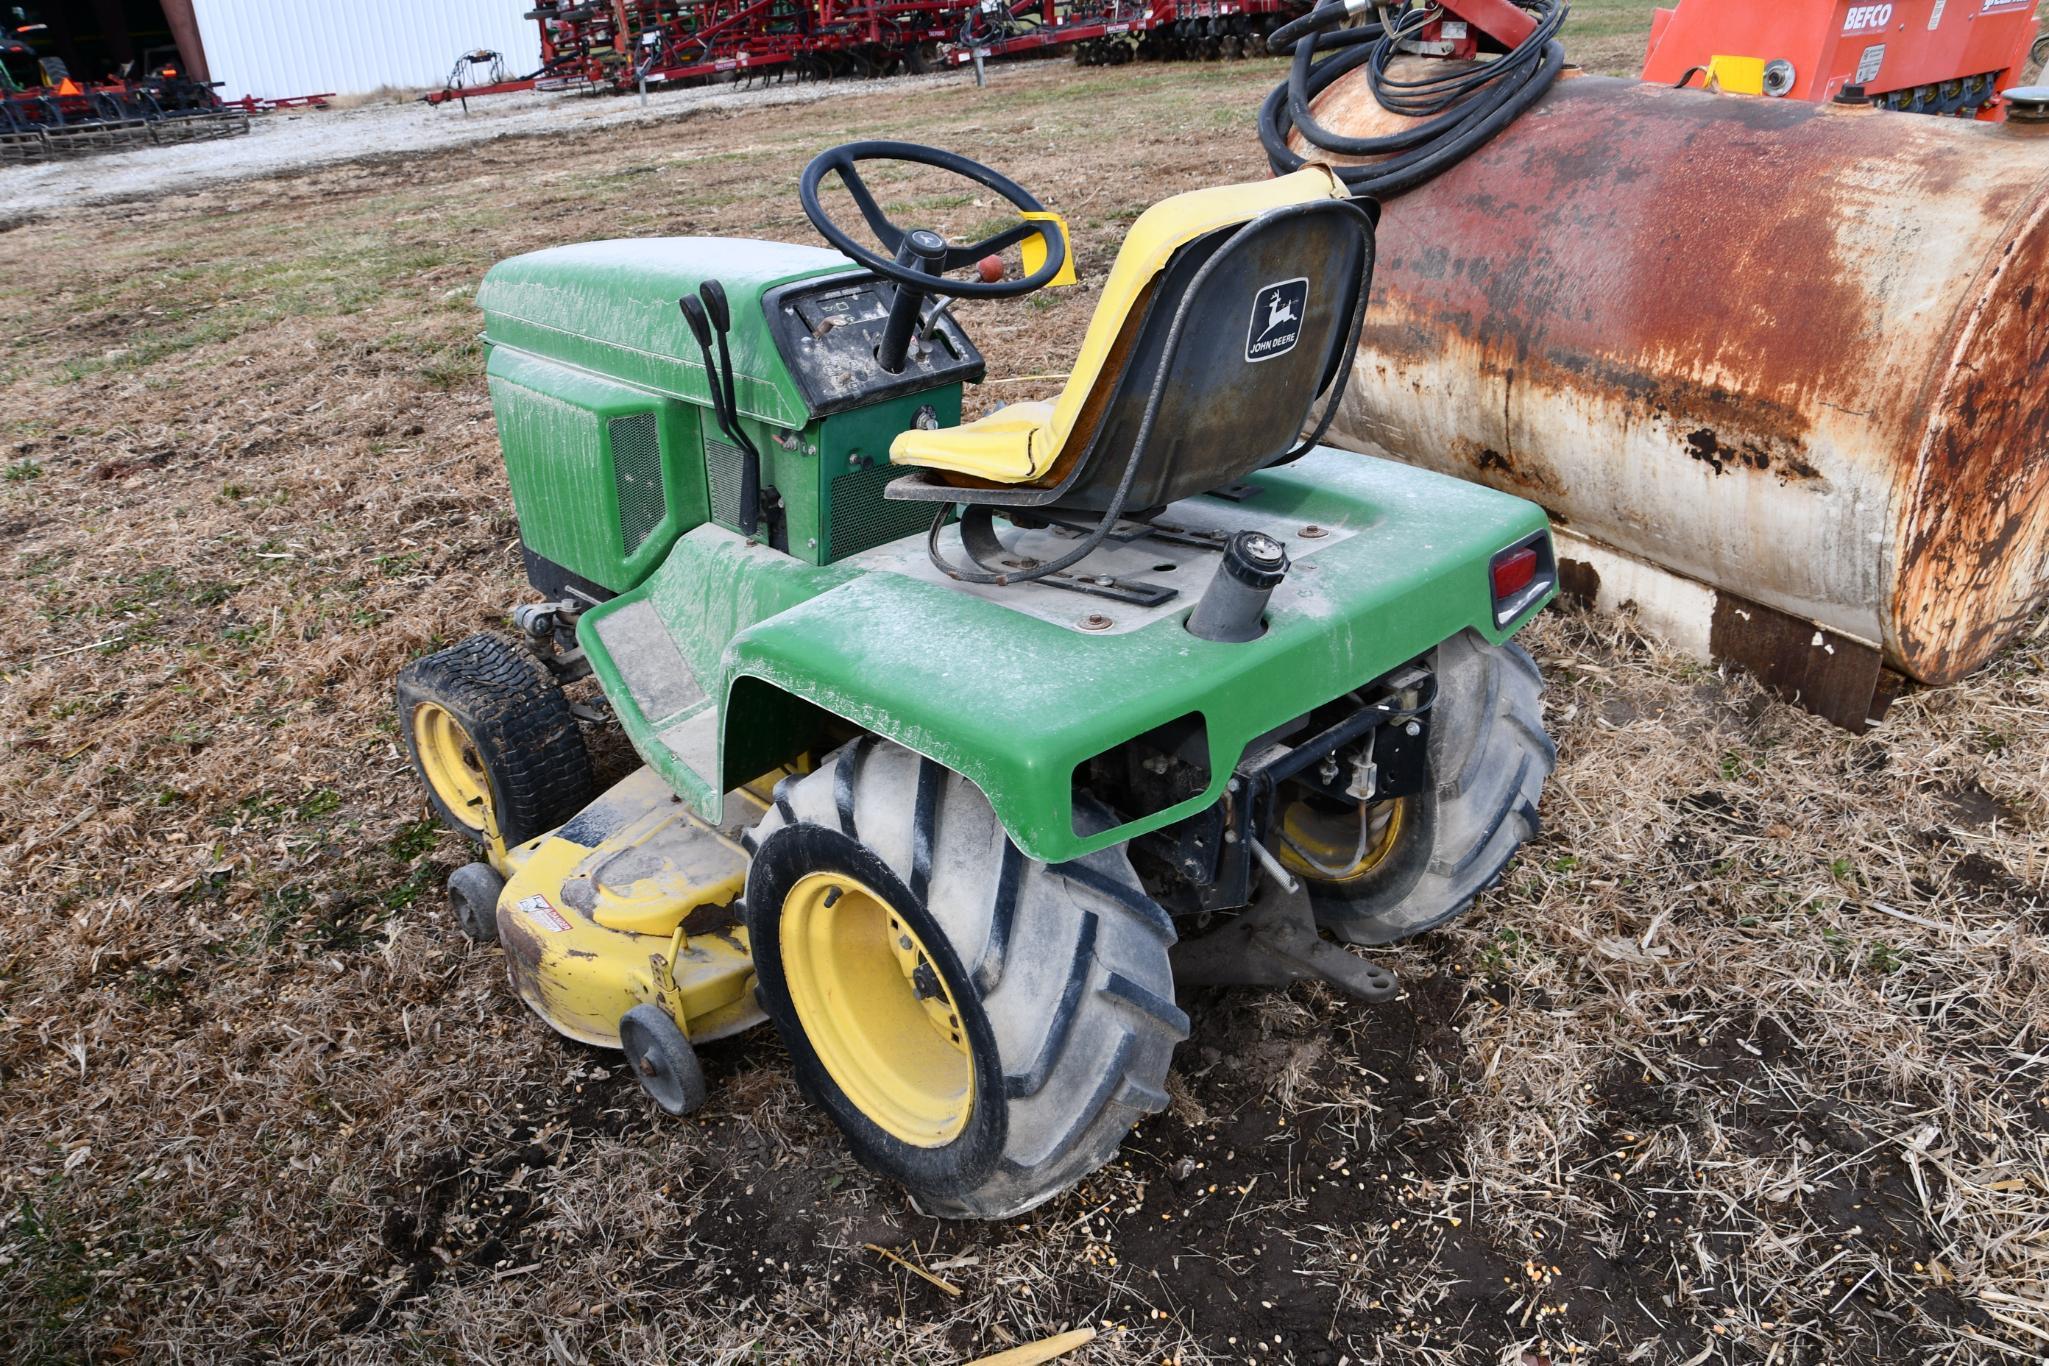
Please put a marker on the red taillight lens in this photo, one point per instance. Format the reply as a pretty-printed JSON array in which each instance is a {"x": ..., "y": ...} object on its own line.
[{"x": 1513, "y": 572}]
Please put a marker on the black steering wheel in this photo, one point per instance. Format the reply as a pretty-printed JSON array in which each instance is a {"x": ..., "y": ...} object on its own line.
[{"x": 919, "y": 258}]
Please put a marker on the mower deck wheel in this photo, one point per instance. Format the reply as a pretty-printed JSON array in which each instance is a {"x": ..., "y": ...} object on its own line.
[
  {"x": 1422, "y": 860},
  {"x": 493, "y": 739},
  {"x": 473, "y": 895},
  {"x": 662, "y": 1059}
]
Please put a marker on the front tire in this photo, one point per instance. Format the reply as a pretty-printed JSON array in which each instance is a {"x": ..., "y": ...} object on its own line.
[
  {"x": 1433, "y": 852},
  {"x": 493, "y": 740},
  {"x": 983, "y": 1028}
]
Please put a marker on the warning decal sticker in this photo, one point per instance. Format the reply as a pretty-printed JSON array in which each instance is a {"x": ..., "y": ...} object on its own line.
[{"x": 537, "y": 906}]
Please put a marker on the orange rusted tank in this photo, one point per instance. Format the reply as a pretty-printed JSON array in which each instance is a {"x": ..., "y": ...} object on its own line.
[{"x": 1796, "y": 353}]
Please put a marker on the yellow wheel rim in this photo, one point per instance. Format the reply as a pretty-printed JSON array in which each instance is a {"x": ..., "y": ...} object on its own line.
[
  {"x": 451, "y": 764},
  {"x": 876, "y": 1011},
  {"x": 1332, "y": 839}
]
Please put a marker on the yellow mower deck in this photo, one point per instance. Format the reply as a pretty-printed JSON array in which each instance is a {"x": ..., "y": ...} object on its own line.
[{"x": 629, "y": 904}]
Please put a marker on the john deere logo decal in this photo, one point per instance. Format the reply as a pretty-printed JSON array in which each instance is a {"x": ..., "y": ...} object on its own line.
[{"x": 1276, "y": 319}]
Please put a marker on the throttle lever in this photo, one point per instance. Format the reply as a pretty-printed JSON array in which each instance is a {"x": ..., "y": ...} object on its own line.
[
  {"x": 720, "y": 317},
  {"x": 693, "y": 314},
  {"x": 718, "y": 375},
  {"x": 720, "y": 314},
  {"x": 715, "y": 306}
]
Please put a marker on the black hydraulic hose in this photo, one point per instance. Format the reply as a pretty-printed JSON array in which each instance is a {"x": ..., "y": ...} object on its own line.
[{"x": 1458, "y": 110}]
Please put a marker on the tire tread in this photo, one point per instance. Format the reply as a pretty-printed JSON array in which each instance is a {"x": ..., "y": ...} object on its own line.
[{"x": 521, "y": 723}]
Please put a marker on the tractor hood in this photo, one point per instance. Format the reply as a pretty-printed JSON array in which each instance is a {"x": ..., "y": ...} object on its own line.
[{"x": 611, "y": 308}]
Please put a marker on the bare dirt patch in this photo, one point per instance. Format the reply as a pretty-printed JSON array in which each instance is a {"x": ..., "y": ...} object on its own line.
[{"x": 1745, "y": 1062}]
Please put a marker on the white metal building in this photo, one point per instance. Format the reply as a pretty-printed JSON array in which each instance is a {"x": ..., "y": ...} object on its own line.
[{"x": 350, "y": 47}]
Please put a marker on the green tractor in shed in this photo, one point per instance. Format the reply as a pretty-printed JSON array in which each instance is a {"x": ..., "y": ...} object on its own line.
[{"x": 963, "y": 744}]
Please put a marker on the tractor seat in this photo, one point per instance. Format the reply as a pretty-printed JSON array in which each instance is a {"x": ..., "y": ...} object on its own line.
[{"x": 1228, "y": 313}]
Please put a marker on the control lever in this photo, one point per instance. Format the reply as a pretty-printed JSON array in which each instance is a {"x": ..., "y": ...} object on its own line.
[
  {"x": 931, "y": 323},
  {"x": 708, "y": 317},
  {"x": 989, "y": 270}
]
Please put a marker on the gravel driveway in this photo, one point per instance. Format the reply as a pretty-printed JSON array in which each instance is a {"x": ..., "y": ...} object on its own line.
[{"x": 287, "y": 140}]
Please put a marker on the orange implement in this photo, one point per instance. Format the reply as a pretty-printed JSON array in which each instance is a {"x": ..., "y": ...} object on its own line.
[{"x": 1929, "y": 56}]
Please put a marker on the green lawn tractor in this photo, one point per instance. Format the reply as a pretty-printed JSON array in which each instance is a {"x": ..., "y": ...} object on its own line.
[{"x": 965, "y": 745}]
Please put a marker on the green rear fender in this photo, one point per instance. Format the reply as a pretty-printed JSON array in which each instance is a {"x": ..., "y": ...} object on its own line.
[
  {"x": 1015, "y": 703},
  {"x": 752, "y": 651}
]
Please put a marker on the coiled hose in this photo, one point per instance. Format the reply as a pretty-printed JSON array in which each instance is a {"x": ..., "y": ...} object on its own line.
[{"x": 1461, "y": 108}]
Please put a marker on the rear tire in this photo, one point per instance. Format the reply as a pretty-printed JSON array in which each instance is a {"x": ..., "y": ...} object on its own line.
[
  {"x": 486, "y": 726},
  {"x": 1489, "y": 757},
  {"x": 1057, "y": 977}
]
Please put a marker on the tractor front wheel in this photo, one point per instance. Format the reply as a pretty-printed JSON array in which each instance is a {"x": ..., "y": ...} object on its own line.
[
  {"x": 983, "y": 1028},
  {"x": 1395, "y": 869},
  {"x": 493, "y": 739}
]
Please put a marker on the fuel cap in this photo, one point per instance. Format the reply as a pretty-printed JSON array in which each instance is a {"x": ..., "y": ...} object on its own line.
[
  {"x": 1255, "y": 558},
  {"x": 1262, "y": 549}
]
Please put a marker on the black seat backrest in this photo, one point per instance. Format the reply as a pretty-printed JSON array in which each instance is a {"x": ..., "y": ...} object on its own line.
[{"x": 1245, "y": 329}]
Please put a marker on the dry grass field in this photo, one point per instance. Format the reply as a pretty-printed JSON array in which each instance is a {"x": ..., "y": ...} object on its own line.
[{"x": 1748, "y": 1061}]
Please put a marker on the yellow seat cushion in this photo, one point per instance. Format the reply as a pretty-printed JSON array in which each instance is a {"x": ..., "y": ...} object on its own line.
[
  {"x": 1021, "y": 443},
  {"x": 1007, "y": 446}
]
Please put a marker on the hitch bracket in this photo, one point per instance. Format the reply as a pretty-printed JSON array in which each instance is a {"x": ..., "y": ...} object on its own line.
[{"x": 1274, "y": 942}]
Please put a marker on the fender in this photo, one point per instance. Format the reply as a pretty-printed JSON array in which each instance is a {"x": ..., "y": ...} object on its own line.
[{"x": 731, "y": 657}]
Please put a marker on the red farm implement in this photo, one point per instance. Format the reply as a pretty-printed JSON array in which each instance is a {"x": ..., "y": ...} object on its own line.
[
  {"x": 634, "y": 44},
  {"x": 1112, "y": 32},
  {"x": 1923, "y": 56},
  {"x": 69, "y": 119},
  {"x": 45, "y": 112}
]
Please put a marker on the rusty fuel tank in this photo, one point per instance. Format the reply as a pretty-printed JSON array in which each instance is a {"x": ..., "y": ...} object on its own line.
[{"x": 1796, "y": 354}]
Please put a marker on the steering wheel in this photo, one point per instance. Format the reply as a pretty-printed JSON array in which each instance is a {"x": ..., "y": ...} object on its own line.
[{"x": 919, "y": 258}]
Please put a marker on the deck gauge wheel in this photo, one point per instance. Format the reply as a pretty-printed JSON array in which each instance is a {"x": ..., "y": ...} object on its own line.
[
  {"x": 662, "y": 1059},
  {"x": 473, "y": 896}
]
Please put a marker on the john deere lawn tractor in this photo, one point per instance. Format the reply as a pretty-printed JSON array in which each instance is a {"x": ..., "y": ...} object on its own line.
[{"x": 965, "y": 745}]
